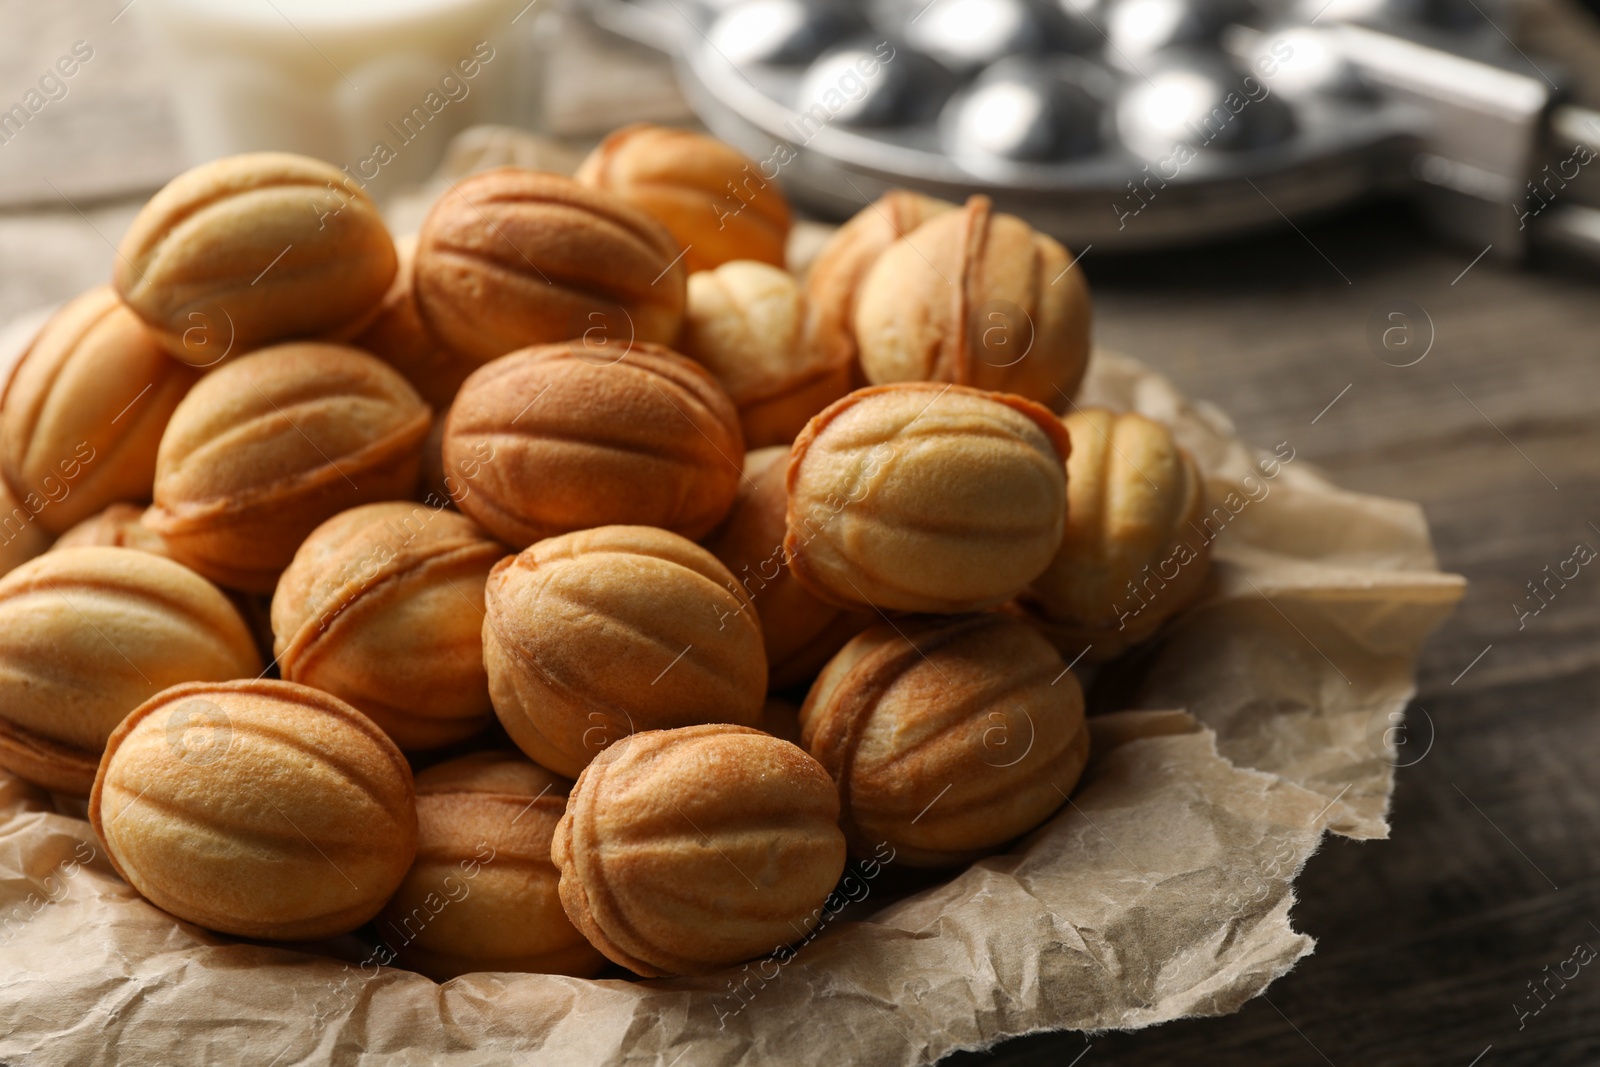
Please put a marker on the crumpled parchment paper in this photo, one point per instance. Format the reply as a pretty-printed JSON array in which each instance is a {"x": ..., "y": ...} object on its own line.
[{"x": 1163, "y": 889}]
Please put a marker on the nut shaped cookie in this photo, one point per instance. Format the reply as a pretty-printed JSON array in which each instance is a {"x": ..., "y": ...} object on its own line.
[
  {"x": 256, "y": 808},
  {"x": 834, "y": 282},
  {"x": 482, "y": 894},
  {"x": 383, "y": 607},
  {"x": 746, "y": 324},
  {"x": 714, "y": 201},
  {"x": 799, "y": 632},
  {"x": 948, "y": 737},
  {"x": 684, "y": 851},
  {"x": 21, "y": 538},
  {"x": 269, "y": 445},
  {"x": 118, "y": 526},
  {"x": 565, "y": 437},
  {"x": 512, "y": 258},
  {"x": 84, "y": 409},
  {"x": 596, "y": 635},
  {"x": 399, "y": 337},
  {"x": 89, "y": 634},
  {"x": 978, "y": 298},
  {"x": 925, "y": 497},
  {"x": 250, "y": 250},
  {"x": 1134, "y": 553}
]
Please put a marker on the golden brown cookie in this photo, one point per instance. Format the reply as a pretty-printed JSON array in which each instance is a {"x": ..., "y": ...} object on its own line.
[
  {"x": 511, "y": 258},
  {"x": 482, "y": 894},
  {"x": 684, "y": 851},
  {"x": 257, "y": 808},
  {"x": 925, "y": 497},
  {"x": 948, "y": 737},
  {"x": 714, "y": 201},
  {"x": 86, "y": 636},
  {"x": 979, "y": 298},
  {"x": 1134, "y": 553},
  {"x": 596, "y": 635},
  {"x": 84, "y": 410},
  {"x": 746, "y": 324},
  {"x": 565, "y": 437},
  {"x": 271, "y": 444},
  {"x": 254, "y": 249},
  {"x": 383, "y": 607}
]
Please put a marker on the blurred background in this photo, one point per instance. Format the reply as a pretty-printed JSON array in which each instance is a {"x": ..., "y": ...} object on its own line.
[
  {"x": 1255, "y": 191},
  {"x": 1126, "y": 125}
]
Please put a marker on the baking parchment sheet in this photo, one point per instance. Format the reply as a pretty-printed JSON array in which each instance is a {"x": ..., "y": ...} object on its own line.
[{"x": 1163, "y": 889}]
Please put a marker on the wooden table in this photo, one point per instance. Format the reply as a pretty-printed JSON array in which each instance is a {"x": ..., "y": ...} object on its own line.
[{"x": 1427, "y": 942}]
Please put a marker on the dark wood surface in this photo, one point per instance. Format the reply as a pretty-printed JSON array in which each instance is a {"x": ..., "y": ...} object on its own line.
[{"x": 1426, "y": 942}]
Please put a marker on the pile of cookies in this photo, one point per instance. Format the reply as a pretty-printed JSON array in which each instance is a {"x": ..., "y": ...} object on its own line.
[{"x": 467, "y": 583}]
